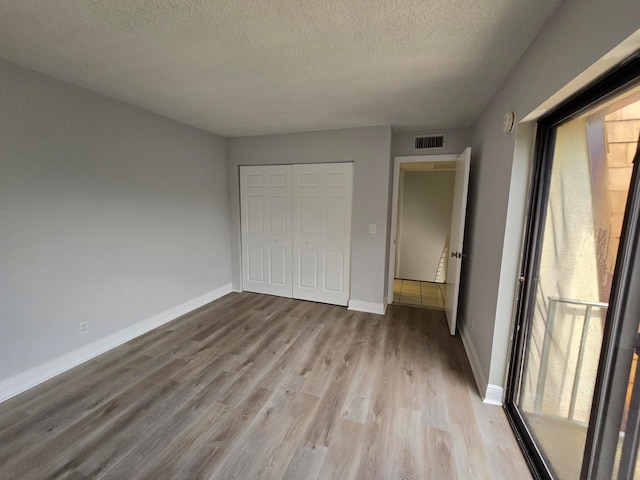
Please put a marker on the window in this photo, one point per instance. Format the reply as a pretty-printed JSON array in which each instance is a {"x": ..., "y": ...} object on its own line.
[{"x": 572, "y": 395}]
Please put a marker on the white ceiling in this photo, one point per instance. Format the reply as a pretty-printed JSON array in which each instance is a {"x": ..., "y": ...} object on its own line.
[{"x": 249, "y": 67}]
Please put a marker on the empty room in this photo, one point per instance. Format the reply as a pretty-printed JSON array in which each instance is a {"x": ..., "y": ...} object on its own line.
[{"x": 337, "y": 239}]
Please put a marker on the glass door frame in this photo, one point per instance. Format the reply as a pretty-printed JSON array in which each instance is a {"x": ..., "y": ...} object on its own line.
[{"x": 623, "y": 304}]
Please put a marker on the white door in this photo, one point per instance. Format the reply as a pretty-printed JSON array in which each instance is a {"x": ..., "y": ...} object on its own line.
[
  {"x": 322, "y": 232},
  {"x": 266, "y": 220},
  {"x": 456, "y": 238}
]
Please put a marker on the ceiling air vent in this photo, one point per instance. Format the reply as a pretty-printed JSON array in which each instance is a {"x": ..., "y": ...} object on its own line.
[{"x": 430, "y": 142}]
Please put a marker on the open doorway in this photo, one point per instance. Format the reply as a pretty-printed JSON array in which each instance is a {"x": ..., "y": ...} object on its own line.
[
  {"x": 425, "y": 203},
  {"x": 461, "y": 164}
]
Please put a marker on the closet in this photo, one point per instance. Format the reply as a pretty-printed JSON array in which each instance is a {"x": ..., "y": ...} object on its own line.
[{"x": 296, "y": 230}]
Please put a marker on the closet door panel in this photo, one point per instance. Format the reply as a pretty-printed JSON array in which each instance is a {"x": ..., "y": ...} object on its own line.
[
  {"x": 266, "y": 222},
  {"x": 255, "y": 263},
  {"x": 322, "y": 232},
  {"x": 334, "y": 271},
  {"x": 307, "y": 273}
]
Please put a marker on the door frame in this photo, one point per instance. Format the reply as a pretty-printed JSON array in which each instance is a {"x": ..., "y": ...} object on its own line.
[{"x": 393, "y": 233}]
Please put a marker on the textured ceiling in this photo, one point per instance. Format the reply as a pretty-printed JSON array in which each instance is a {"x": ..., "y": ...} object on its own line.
[{"x": 248, "y": 67}]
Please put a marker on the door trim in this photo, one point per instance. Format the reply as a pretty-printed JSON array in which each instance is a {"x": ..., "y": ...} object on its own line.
[{"x": 397, "y": 161}]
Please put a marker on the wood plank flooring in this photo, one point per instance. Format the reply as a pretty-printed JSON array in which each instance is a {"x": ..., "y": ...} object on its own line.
[{"x": 253, "y": 386}]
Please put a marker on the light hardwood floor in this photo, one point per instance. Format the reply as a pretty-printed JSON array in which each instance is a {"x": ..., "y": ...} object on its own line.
[{"x": 253, "y": 386}]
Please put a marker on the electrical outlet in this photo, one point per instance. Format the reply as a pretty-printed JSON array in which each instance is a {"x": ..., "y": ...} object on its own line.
[{"x": 84, "y": 327}]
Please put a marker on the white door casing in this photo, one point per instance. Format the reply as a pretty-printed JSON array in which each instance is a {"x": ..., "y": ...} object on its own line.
[
  {"x": 266, "y": 221},
  {"x": 456, "y": 238}
]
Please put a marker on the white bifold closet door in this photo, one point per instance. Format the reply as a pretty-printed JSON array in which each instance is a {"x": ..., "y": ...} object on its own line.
[
  {"x": 265, "y": 217},
  {"x": 322, "y": 232},
  {"x": 296, "y": 230}
]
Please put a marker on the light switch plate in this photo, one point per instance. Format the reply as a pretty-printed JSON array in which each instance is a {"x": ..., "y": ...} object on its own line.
[{"x": 372, "y": 228}]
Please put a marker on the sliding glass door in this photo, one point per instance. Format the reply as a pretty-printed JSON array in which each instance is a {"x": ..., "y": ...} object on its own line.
[{"x": 572, "y": 394}]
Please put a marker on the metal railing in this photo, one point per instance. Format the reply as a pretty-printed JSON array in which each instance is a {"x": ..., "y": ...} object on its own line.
[{"x": 546, "y": 349}]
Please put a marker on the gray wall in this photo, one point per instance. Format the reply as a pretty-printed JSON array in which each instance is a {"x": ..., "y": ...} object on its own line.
[
  {"x": 575, "y": 38},
  {"x": 457, "y": 140},
  {"x": 108, "y": 214},
  {"x": 370, "y": 150},
  {"x": 425, "y": 222}
]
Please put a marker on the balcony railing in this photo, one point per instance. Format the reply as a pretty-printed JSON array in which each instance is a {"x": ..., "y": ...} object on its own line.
[{"x": 553, "y": 304}]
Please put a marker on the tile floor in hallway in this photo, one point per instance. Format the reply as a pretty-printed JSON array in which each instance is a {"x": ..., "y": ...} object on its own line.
[{"x": 424, "y": 294}]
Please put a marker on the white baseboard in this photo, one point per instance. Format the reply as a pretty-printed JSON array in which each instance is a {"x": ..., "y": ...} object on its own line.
[
  {"x": 491, "y": 394},
  {"x": 368, "y": 307},
  {"x": 26, "y": 380},
  {"x": 494, "y": 395}
]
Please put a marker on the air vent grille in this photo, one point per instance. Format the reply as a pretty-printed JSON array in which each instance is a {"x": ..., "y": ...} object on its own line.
[{"x": 430, "y": 142}]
